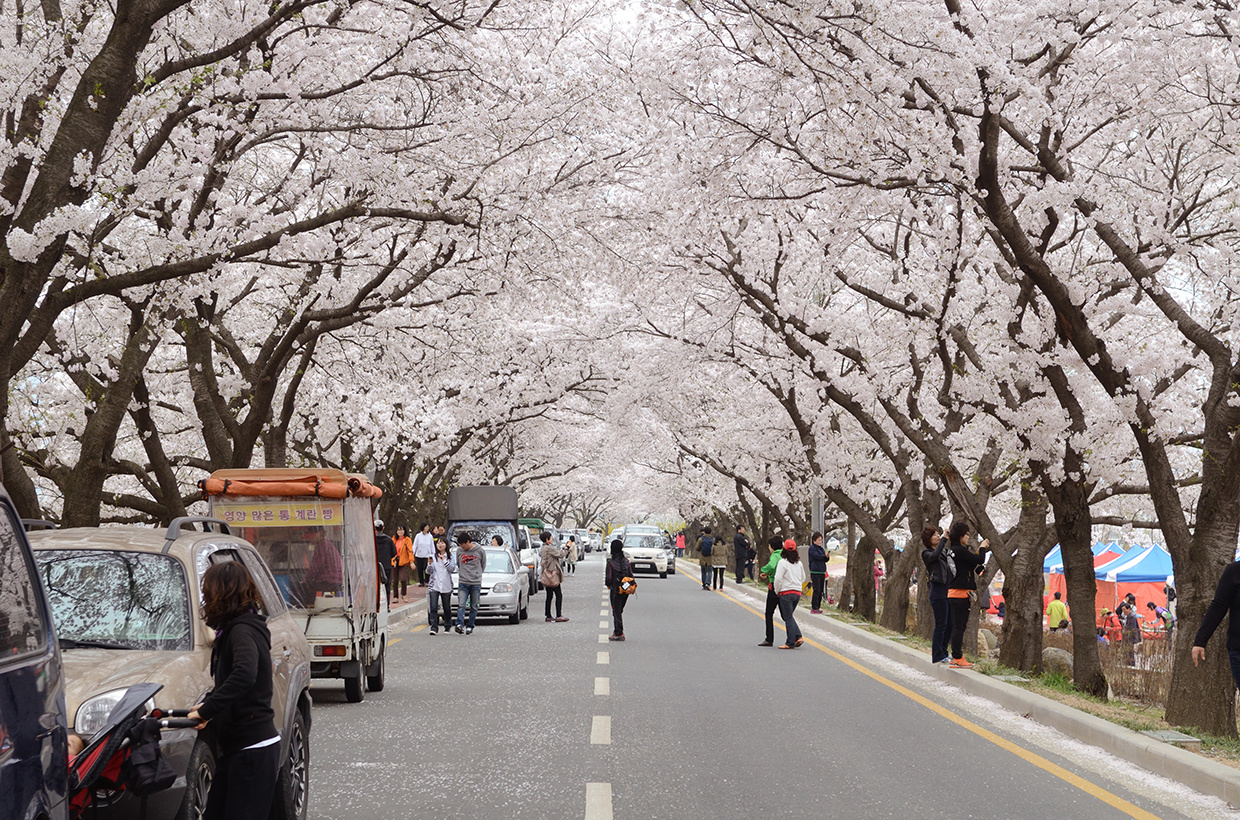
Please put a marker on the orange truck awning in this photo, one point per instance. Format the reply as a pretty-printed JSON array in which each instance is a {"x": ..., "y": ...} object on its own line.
[{"x": 288, "y": 482}]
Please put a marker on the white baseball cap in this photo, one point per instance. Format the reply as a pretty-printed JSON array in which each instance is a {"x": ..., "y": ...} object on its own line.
[{"x": 378, "y": 524}]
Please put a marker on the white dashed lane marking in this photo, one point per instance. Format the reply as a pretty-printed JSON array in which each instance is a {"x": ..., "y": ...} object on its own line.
[
  {"x": 604, "y": 657},
  {"x": 602, "y": 639},
  {"x": 598, "y": 801},
  {"x": 602, "y": 624},
  {"x": 602, "y": 686},
  {"x": 600, "y": 730}
]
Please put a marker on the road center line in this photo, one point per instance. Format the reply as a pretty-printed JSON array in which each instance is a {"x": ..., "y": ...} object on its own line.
[
  {"x": 602, "y": 613},
  {"x": 602, "y": 686},
  {"x": 394, "y": 641},
  {"x": 602, "y": 624},
  {"x": 604, "y": 657},
  {"x": 1037, "y": 760},
  {"x": 598, "y": 801},
  {"x": 600, "y": 730},
  {"x": 602, "y": 638}
]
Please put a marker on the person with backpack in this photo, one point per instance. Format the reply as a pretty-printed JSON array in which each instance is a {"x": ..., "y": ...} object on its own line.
[
  {"x": 788, "y": 583},
  {"x": 618, "y": 570},
  {"x": 767, "y": 573},
  {"x": 705, "y": 546},
  {"x": 940, "y": 569},
  {"x": 817, "y": 572},
  {"x": 239, "y": 705},
  {"x": 740, "y": 552},
  {"x": 552, "y": 577},
  {"x": 963, "y": 587}
]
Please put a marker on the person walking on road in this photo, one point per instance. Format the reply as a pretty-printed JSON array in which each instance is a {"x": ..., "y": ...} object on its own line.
[
  {"x": 404, "y": 563},
  {"x": 740, "y": 552},
  {"x": 439, "y": 588},
  {"x": 1056, "y": 612},
  {"x": 239, "y": 705},
  {"x": 552, "y": 577},
  {"x": 817, "y": 572},
  {"x": 705, "y": 546},
  {"x": 1226, "y": 602},
  {"x": 767, "y": 573},
  {"x": 570, "y": 555},
  {"x": 385, "y": 555},
  {"x": 471, "y": 562},
  {"x": 963, "y": 586},
  {"x": 617, "y": 569},
  {"x": 789, "y": 581},
  {"x": 423, "y": 552},
  {"x": 940, "y": 569}
]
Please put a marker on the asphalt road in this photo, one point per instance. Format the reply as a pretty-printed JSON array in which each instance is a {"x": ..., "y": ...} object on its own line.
[{"x": 689, "y": 718}]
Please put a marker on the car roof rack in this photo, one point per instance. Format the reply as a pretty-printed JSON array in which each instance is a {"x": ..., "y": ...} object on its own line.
[
  {"x": 31, "y": 524},
  {"x": 178, "y": 524}
]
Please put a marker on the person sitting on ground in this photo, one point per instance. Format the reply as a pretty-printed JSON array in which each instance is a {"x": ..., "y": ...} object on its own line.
[{"x": 1057, "y": 611}]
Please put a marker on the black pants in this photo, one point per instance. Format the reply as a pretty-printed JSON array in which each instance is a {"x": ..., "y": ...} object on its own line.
[
  {"x": 421, "y": 565},
  {"x": 958, "y": 611},
  {"x": 818, "y": 580},
  {"x": 559, "y": 601},
  {"x": 740, "y": 572},
  {"x": 717, "y": 572},
  {"x": 942, "y": 621},
  {"x": 245, "y": 785},
  {"x": 617, "y": 611},
  {"x": 772, "y": 604}
]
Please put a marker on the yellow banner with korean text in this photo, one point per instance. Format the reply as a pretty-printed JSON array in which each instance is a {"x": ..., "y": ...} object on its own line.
[{"x": 299, "y": 513}]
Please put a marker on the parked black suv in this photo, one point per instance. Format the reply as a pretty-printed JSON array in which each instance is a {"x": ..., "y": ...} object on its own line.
[{"x": 34, "y": 755}]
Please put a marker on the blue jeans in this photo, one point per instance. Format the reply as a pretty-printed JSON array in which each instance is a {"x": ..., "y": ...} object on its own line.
[
  {"x": 942, "y": 622},
  {"x": 708, "y": 575},
  {"x": 467, "y": 593},
  {"x": 434, "y": 599},
  {"x": 787, "y": 605}
]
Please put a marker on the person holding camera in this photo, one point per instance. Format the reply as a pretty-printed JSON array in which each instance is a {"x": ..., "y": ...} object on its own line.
[{"x": 963, "y": 587}]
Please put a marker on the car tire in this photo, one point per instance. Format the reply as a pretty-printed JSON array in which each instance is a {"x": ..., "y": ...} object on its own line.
[
  {"x": 198, "y": 777},
  {"x": 662, "y": 574},
  {"x": 353, "y": 691},
  {"x": 375, "y": 682},
  {"x": 525, "y": 610},
  {"x": 293, "y": 786}
]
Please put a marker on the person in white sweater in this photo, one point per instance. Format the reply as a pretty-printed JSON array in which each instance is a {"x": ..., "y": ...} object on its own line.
[
  {"x": 789, "y": 581},
  {"x": 423, "y": 551}
]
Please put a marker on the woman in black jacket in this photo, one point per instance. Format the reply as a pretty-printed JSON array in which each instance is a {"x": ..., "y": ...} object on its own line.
[
  {"x": 963, "y": 586},
  {"x": 617, "y": 569},
  {"x": 239, "y": 706},
  {"x": 939, "y": 573}
]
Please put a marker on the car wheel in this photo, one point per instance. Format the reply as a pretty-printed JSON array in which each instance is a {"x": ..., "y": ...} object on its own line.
[
  {"x": 353, "y": 689},
  {"x": 375, "y": 682},
  {"x": 293, "y": 785},
  {"x": 198, "y": 777},
  {"x": 662, "y": 574},
  {"x": 525, "y": 610}
]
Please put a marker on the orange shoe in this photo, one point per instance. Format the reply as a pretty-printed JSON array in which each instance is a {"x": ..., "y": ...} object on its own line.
[{"x": 960, "y": 663}]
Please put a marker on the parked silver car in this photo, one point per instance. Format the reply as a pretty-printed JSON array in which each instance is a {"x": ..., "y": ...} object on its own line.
[{"x": 505, "y": 587}]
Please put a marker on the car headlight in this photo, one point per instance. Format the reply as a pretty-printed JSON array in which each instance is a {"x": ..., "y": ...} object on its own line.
[
  {"x": 502, "y": 587},
  {"x": 93, "y": 714}
]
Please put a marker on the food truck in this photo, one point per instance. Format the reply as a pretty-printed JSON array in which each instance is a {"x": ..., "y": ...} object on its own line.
[{"x": 315, "y": 530}]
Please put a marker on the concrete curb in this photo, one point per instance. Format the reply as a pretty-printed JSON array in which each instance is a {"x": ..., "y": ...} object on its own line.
[
  {"x": 1193, "y": 770},
  {"x": 403, "y": 613}
]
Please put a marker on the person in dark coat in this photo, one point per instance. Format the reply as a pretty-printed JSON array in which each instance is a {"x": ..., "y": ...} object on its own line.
[
  {"x": 817, "y": 572},
  {"x": 385, "y": 554},
  {"x": 963, "y": 586},
  {"x": 940, "y": 570},
  {"x": 617, "y": 569},
  {"x": 239, "y": 705},
  {"x": 740, "y": 552}
]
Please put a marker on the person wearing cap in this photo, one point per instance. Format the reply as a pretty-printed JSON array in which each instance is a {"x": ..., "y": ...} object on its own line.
[
  {"x": 1112, "y": 628},
  {"x": 767, "y": 573},
  {"x": 1056, "y": 612},
  {"x": 789, "y": 581},
  {"x": 385, "y": 554},
  {"x": 471, "y": 562}
]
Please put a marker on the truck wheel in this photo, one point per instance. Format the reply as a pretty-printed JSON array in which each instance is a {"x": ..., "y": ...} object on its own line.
[
  {"x": 353, "y": 689},
  {"x": 375, "y": 682},
  {"x": 293, "y": 785},
  {"x": 198, "y": 777}
]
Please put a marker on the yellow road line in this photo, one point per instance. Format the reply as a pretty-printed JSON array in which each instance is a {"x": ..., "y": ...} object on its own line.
[
  {"x": 394, "y": 641},
  {"x": 1037, "y": 760}
]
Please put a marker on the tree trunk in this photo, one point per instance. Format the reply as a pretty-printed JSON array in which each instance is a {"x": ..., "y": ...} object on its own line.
[
  {"x": 1070, "y": 503},
  {"x": 1021, "y": 644},
  {"x": 861, "y": 579},
  {"x": 925, "y": 615},
  {"x": 895, "y": 592}
]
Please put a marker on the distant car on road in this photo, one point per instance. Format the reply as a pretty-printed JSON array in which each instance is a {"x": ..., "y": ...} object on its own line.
[
  {"x": 646, "y": 552},
  {"x": 127, "y": 606},
  {"x": 34, "y": 757}
]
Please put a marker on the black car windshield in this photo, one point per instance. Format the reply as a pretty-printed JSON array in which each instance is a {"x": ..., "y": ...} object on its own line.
[{"x": 131, "y": 600}]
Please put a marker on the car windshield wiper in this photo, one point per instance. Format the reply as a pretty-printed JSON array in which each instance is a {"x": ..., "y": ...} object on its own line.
[{"x": 72, "y": 643}]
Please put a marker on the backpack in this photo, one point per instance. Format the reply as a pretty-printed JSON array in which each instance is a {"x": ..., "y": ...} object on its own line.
[
  {"x": 708, "y": 543},
  {"x": 627, "y": 585}
]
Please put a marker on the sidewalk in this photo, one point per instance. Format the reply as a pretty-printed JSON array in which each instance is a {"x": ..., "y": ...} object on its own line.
[
  {"x": 415, "y": 602},
  {"x": 1193, "y": 770}
]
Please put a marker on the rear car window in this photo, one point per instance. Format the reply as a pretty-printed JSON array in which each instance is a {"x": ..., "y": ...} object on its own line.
[
  {"x": 133, "y": 600},
  {"x": 22, "y": 629}
]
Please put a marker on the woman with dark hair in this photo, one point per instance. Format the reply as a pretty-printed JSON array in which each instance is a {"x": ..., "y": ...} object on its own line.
[
  {"x": 423, "y": 552},
  {"x": 939, "y": 573},
  {"x": 617, "y": 569},
  {"x": 404, "y": 561},
  {"x": 240, "y": 703},
  {"x": 767, "y": 573},
  {"x": 789, "y": 581},
  {"x": 552, "y": 576},
  {"x": 963, "y": 587}
]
